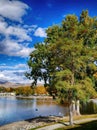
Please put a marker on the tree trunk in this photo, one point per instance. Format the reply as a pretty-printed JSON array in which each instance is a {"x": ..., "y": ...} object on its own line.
[
  {"x": 74, "y": 107},
  {"x": 70, "y": 114},
  {"x": 77, "y": 107}
]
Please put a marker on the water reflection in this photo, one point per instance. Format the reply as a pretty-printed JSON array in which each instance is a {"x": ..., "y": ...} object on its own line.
[{"x": 14, "y": 109}]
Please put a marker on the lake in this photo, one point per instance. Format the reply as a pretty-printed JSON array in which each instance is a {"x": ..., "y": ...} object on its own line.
[{"x": 13, "y": 109}]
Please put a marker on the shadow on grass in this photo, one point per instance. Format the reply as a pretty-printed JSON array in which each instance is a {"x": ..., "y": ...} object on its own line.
[
  {"x": 85, "y": 126},
  {"x": 41, "y": 119},
  {"x": 65, "y": 124}
]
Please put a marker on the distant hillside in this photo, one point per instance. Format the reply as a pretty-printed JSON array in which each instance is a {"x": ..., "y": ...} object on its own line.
[
  {"x": 12, "y": 85},
  {"x": 2, "y": 82}
]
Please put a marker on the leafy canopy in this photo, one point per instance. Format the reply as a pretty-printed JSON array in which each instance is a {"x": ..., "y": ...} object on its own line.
[{"x": 66, "y": 59}]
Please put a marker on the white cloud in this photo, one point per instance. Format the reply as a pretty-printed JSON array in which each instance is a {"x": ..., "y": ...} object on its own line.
[
  {"x": 13, "y": 9},
  {"x": 2, "y": 75},
  {"x": 18, "y": 66},
  {"x": 12, "y": 48},
  {"x": 3, "y": 26},
  {"x": 24, "y": 52},
  {"x": 14, "y": 76},
  {"x": 40, "y": 32},
  {"x": 15, "y": 67},
  {"x": 16, "y": 39},
  {"x": 14, "y": 73},
  {"x": 19, "y": 32}
]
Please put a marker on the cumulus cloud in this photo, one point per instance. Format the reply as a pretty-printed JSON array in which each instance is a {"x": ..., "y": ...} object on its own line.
[
  {"x": 14, "y": 38},
  {"x": 15, "y": 67},
  {"x": 3, "y": 26},
  {"x": 40, "y": 32},
  {"x": 13, "y": 9},
  {"x": 14, "y": 76},
  {"x": 19, "y": 32},
  {"x": 14, "y": 73},
  {"x": 12, "y": 48}
]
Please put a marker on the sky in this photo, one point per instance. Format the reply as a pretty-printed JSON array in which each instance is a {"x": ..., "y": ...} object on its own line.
[{"x": 23, "y": 23}]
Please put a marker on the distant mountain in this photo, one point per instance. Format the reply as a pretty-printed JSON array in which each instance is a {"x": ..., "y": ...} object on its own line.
[
  {"x": 12, "y": 85},
  {"x": 3, "y": 82}
]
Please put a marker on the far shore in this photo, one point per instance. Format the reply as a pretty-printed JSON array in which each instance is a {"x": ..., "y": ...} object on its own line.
[
  {"x": 35, "y": 97},
  {"x": 30, "y": 97}
]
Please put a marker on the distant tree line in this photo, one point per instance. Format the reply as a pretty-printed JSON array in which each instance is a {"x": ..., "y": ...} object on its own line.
[{"x": 25, "y": 90}]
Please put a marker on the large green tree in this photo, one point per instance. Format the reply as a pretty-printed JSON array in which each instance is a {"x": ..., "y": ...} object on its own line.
[{"x": 67, "y": 57}]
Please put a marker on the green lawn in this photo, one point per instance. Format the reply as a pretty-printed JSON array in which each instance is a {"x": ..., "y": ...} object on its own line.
[
  {"x": 90, "y": 125},
  {"x": 85, "y": 126}
]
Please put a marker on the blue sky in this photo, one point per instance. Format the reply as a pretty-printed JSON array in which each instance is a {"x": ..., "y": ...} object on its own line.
[{"x": 23, "y": 23}]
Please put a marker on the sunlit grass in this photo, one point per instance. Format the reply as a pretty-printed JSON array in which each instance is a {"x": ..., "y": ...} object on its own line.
[{"x": 86, "y": 125}]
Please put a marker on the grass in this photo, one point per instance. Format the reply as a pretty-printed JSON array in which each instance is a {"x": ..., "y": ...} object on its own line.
[
  {"x": 85, "y": 126},
  {"x": 91, "y": 125},
  {"x": 80, "y": 117}
]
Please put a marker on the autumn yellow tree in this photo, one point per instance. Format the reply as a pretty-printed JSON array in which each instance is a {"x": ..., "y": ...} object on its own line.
[{"x": 40, "y": 90}]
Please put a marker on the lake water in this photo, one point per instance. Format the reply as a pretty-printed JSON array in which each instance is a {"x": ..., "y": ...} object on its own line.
[{"x": 14, "y": 109}]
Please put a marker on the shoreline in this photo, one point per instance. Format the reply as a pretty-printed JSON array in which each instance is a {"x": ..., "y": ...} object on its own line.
[
  {"x": 31, "y": 97},
  {"x": 31, "y": 123},
  {"x": 35, "y": 97},
  {"x": 47, "y": 122}
]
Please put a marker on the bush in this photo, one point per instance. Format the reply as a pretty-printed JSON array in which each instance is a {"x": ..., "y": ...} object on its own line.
[{"x": 89, "y": 107}]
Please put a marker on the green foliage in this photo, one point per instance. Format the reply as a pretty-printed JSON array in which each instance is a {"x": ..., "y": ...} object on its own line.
[
  {"x": 66, "y": 59},
  {"x": 82, "y": 90},
  {"x": 90, "y": 108},
  {"x": 2, "y": 89}
]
